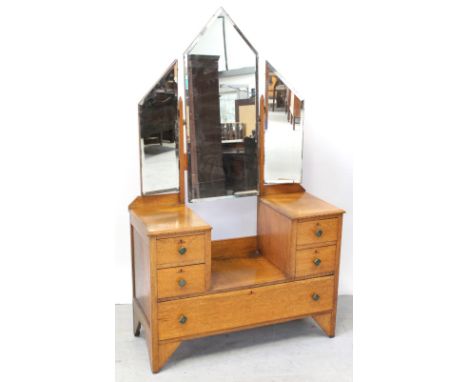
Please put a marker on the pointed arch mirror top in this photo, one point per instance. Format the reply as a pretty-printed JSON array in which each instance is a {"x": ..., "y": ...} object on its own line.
[
  {"x": 221, "y": 87},
  {"x": 228, "y": 151},
  {"x": 220, "y": 14}
]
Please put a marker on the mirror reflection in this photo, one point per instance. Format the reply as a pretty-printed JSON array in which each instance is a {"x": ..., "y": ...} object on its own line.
[
  {"x": 158, "y": 117},
  {"x": 221, "y": 91},
  {"x": 283, "y": 131}
]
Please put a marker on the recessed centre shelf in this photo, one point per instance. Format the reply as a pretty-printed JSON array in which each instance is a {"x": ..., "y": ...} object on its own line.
[{"x": 238, "y": 272}]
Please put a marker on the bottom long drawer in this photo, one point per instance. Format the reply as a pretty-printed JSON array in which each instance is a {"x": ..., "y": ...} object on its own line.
[{"x": 212, "y": 313}]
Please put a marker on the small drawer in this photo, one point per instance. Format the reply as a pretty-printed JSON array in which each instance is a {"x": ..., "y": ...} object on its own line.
[
  {"x": 180, "y": 250},
  {"x": 315, "y": 261},
  {"x": 317, "y": 231},
  {"x": 181, "y": 281}
]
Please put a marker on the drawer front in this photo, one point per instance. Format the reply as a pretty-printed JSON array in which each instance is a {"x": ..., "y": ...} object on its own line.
[
  {"x": 180, "y": 250},
  {"x": 317, "y": 231},
  {"x": 181, "y": 281},
  {"x": 315, "y": 261},
  {"x": 202, "y": 315}
]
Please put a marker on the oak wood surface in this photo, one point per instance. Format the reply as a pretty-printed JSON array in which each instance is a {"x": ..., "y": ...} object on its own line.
[
  {"x": 153, "y": 339},
  {"x": 237, "y": 272},
  {"x": 261, "y": 146},
  {"x": 215, "y": 312},
  {"x": 325, "y": 322},
  {"x": 251, "y": 277},
  {"x": 207, "y": 260},
  {"x": 167, "y": 249},
  {"x": 182, "y": 153},
  {"x": 300, "y": 205},
  {"x": 154, "y": 219},
  {"x": 308, "y": 231},
  {"x": 305, "y": 265},
  {"x": 141, "y": 272},
  {"x": 275, "y": 238},
  {"x": 154, "y": 200},
  {"x": 238, "y": 247},
  {"x": 240, "y": 328},
  {"x": 178, "y": 264},
  {"x": 140, "y": 319},
  {"x": 337, "y": 277},
  {"x": 286, "y": 188},
  {"x": 136, "y": 322},
  {"x": 168, "y": 281},
  {"x": 165, "y": 352}
]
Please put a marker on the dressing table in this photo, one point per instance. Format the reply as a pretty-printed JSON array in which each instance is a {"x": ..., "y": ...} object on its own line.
[{"x": 185, "y": 284}]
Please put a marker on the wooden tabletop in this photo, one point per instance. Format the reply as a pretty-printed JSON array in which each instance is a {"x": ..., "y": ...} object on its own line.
[
  {"x": 300, "y": 205},
  {"x": 152, "y": 218}
]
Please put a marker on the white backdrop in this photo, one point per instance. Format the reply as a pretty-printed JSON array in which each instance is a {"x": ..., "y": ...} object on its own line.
[
  {"x": 388, "y": 78},
  {"x": 302, "y": 44}
]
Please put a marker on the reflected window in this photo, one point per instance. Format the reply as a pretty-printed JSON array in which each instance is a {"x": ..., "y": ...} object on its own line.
[{"x": 283, "y": 131}]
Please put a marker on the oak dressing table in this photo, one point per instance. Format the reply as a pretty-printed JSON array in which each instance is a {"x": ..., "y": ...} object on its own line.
[{"x": 186, "y": 285}]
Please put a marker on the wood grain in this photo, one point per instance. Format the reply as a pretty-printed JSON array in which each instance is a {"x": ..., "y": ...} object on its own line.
[
  {"x": 307, "y": 231},
  {"x": 141, "y": 265},
  {"x": 167, "y": 250},
  {"x": 252, "y": 278},
  {"x": 154, "y": 200},
  {"x": 182, "y": 154},
  {"x": 337, "y": 277},
  {"x": 275, "y": 238},
  {"x": 300, "y": 205},
  {"x": 155, "y": 219},
  {"x": 153, "y": 339},
  {"x": 240, "y": 328},
  {"x": 168, "y": 281},
  {"x": 305, "y": 265},
  {"x": 274, "y": 189},
  {"x": 224, "y": 311},
  {"x": 239, "y": 247},
  {"x": 207, "y": 239},
  {"x": 141, "y": 320},
  {"x": 261, "y": 147},
  {"x": 165, "y": 352},
  {"x": 237, "y": 272},
  {"x": 325, "y": 322}
]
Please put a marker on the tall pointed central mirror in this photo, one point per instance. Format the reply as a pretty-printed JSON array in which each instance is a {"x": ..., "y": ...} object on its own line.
[{"x": 221, "y": 85}]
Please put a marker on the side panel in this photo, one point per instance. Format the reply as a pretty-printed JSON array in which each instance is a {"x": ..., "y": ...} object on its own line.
[
  {"x": 141, "y": 272},
  {"x": 276, "y": 238}
]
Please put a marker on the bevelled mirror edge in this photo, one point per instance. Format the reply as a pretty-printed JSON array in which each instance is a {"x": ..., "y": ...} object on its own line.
[
  {"x": 283, "y": 133},
  {"x": 160, "y": 137},
  {"x": 220, "y": 12}
]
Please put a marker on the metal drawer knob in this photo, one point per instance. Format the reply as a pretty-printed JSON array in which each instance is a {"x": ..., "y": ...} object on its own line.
[
  {"x": 182, "y": 250},
  {"x": 317, "y": 261},
  {"x": 315, "y": 297},
  {"x": 182, "y": 283},
  {"x": 319, "y": 232},
  {"x": 183, "y": 319}
]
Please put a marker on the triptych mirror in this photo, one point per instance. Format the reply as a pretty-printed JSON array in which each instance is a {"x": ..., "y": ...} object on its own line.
[{"x": 223, "y": 124}]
